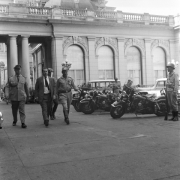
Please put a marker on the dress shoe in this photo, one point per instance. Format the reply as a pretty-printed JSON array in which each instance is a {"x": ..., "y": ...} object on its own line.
[
  {"x": 52, "y": 118},
  {"x": 46, "y": 122},
  {"x": 67, "y": 120},
  {"x": 23, "y": 125},
  {"x": 14, "y": 123},
  {"x": 0, "y": 127}
]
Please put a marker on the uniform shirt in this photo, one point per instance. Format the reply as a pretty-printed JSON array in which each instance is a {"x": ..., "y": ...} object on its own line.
[
  {"x": 116, "y": 86},
  {"x": 18, "y": 88},
  {"x": 173, "y": 82},
  {"x": 46, "y": 90},
  {"x": 65, "y": 84}
]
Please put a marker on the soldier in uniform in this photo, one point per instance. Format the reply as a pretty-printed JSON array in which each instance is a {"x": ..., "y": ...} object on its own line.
[
  {"x": 172, "y": 85},
  {"x": 116, "y": 86},
  {"x": 18, "y": 93},
  {"x": 64, "y": 86},
  {"x": 55, "y": 101}
]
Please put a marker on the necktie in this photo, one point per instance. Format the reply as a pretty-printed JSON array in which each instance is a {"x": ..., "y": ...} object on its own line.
[
  {"x": 18, "y": 78},
  {"x": 46, "y": 83}
]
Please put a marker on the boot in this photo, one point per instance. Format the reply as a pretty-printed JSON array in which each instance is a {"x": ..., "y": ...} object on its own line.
[
  {"x": 66, "y": 118},
  {"x": 176, "y": 116},
  {"x": 173, "y": 116}
]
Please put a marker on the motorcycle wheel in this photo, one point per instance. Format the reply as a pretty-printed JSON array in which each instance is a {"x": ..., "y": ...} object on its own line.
[
  {"x": 77, "y": 107},
  {"x": 87, "y": 108},
  {"x": 163, "y": 108},
  {"x": 117, "y": 112}
]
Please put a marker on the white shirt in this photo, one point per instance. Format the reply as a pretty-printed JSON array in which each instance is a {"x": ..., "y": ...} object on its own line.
[{"x": 46, "y": 91}]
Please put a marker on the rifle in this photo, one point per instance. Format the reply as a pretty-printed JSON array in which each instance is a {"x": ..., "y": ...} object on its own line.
[{"x": 167, "y": 106}]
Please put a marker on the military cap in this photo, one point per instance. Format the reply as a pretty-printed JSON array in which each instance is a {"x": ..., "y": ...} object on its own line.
[
  {"x": 171, "y": 65},
  {"x": 66, "y": 66},
  {"x": 17, "y": 67}
]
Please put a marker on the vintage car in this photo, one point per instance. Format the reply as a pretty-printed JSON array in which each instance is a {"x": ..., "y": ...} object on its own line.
[{"x": 159, "y": 85}]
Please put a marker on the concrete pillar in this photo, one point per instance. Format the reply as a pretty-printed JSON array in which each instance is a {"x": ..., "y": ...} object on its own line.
[
  {"x": 25, "y": 59},
  {"x": 122, "y": 61},
  {"x": 116, "y": 67},
  {"x": 8, "y": 60},
  {"x": 177, "y": 54},
  {"x": 149, "y": 63},
  {"x": 143, "y": 71},
  {"x": 13, "y": 58},
  {"x": 57, "y": 55},
  {"x": 19, "y": 51},
  {"x": 48, "y": 56},
  {"x": 93, "y": 59}
]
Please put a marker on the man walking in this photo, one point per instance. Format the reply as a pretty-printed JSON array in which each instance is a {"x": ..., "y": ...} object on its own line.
[
  {"x": 172, "y": 86},
  {"x": 55, "y": 101},
  {"x": 45, "y": 91},
  {"x": 18, "y": 93},
  {"x": 64, "y": 86}
]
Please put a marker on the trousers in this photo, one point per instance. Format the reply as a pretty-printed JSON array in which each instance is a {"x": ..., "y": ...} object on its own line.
[
  {"x": 172, "y": 100},
  {"x": 46, "y": 105},
  {"x": 21, "y": 106},
  {"x": 65, "y": 99}
]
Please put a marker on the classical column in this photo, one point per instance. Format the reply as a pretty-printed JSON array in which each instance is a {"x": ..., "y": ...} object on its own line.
[
  {"x": 122, "y": 61},
  {"x": 149, "y": 63},
  {"x": 13, "y": 59},
  {"x": 93, "y": 59},
  {"x": 25, "y": 59},
  {"x": 7, "y": 47},
  {"x": 87, "y": 72},
  {"x": 48, "y": 56},
  {"x": 57, "y": 55},
  {"x": 19, "y": 51}
]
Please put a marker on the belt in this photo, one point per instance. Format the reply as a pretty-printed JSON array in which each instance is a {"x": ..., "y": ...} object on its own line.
[{"x": 64, "y": 91}]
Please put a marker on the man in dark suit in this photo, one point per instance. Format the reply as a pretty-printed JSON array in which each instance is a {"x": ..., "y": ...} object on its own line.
[{"x": 45, "y": 92}]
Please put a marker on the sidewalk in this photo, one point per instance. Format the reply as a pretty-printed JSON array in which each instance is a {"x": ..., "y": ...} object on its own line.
[{"x": 92, "y": 147}]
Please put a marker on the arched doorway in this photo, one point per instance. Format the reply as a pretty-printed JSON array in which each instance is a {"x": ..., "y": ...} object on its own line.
[
  {"x": 159, "y": 59},
  {"x": 134, "y": 65},
  {"x": 75, "y": 55},
  {"x": 105, "y": 63}
]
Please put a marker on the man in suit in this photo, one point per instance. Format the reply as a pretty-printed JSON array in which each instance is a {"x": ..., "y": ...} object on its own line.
[
  {"x": 45, "y": 92},
  {"x": 18, "y": 93},
  {"x": 55, "y": 101}
]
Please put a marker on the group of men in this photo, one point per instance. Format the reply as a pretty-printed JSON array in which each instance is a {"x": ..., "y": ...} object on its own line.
[{"x": 48, "y": 92}]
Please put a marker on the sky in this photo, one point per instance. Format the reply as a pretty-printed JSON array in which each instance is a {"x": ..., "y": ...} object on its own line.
[{"x": 154, "y": 7}]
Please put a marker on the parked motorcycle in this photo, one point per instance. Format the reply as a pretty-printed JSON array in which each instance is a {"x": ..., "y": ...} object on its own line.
[
  {"x": 77, "y": 97},
  {"x": 97, "y": 100},
  {"x": 137, "y": 103}
]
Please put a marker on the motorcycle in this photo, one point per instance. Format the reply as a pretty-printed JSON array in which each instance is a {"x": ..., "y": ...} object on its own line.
[
  {"x": 97, "y": 100},
  {"x": 77, "y": 97},
  {"x": 138, "y": 103}
]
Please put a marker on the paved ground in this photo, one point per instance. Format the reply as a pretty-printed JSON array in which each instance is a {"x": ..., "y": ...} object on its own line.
[{"x": 92, "y": 147}]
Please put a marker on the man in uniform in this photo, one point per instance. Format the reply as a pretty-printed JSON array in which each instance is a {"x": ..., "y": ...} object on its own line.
[
  {"x": 45, "y": 92},
  {"x": 18, "y": 93},
  {"x": 55, "y": 101},
  {"x": 172, "y": 86},
  {"x": 116, "y": 86},
  {"x": 64, "y": 86}
]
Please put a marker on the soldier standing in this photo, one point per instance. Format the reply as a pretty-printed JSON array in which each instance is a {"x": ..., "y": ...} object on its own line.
[
  {"x": 64, "y": 86},
  {"x": 172, "y": 86},
  {"x": 18, "y": 93},
  {"x": 116, "y": 86},
  {"x": 55, "y": 101}
]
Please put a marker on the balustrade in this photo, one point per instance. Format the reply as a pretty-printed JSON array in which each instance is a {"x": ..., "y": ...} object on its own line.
[
  {"x": 106, "y": 14},
  {"x": 132, "y": 17},
  {"x": 118, "y": 16},
  {"x": 3, "y": 9},
  {"x": 75, "y": 13},
  {"x": 39, "y": 11},
  {"x": 159, "y": 19}
]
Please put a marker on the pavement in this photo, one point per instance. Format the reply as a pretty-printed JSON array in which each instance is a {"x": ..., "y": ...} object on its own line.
[{"x": 92, "y": 147}]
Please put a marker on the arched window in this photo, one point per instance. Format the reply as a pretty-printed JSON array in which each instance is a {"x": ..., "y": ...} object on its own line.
[
  {"x": 105, "y": 63},
  {"x": 159, "y": 59},
  {"x": 134, "y": 65},
  {"x": 76, "y": 57}
]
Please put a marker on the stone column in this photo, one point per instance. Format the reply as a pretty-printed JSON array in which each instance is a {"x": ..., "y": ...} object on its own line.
[
  {"x": 8, "y": 60},
  {"x": 93, "y": 59},
  {"x": 25, "y": 59},
  {"x": 86, "y": 69},
  {"x": 122, "y": 61},
  {"x": 149, "y": 63},
  {"x": 143, "y": 69},
  {"x": 57, "y": 55},
  {"x": 19, "y": 51},
  {"x": 48, "y": 56},
  {"x": 13, "y": 58}
]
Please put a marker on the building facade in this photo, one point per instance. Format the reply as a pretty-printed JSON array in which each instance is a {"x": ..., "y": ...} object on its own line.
[{"x": 101, "y": 43}]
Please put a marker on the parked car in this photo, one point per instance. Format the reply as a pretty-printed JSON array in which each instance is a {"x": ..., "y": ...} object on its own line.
[{"x": 159, "y": 85}]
